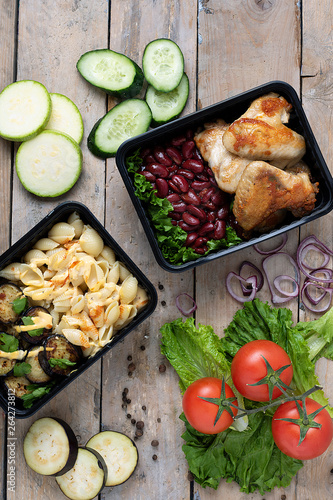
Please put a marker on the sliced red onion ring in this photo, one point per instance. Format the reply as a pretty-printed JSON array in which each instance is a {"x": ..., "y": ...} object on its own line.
[
  {"x": 187, "y": 312},
  {"x": 287, "y": 297},
  {"x": 275, "y": 250},
  {"x": 252, "y": 280},
  {"x": 312, "y": 242},
  {"x": 312, "y": 246},
  {"x": 285, "y": 277},
  {"x": 322, "y": 270},
  {"x": 313, "y": 301},
  {"x": 260, "y": 278}
]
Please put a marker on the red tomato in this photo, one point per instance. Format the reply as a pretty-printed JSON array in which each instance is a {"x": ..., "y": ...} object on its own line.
[
  {"x": 201, "y": 414},
  {"x": 286, "y": 434},
  {"x": 248, "y": 367}
]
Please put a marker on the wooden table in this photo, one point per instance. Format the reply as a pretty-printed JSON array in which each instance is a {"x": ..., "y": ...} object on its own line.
[{"x": 229, "y": 46}]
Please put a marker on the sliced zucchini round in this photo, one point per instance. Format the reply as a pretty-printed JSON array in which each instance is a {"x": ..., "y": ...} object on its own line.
[
  {"x": 57, "y": 347},
  {"x": 25, "y": 108},
  {"x": 65, "y": 117},
  {"x": 127, "y": 119},
  {"x": 34, "y": 334},
  {"x": 9, "y": 292},
  {"x": 112, "y": 72},
  {"x": 50, "y": 447},
  {"x": 87, "y": 477},
  {"x": 163, "y": 64},
  {"x": 36, "y": 374},
  {"x": 50, "y": 164},
  {"x": 120, "y": 455},
  {"x": 166, "y": 106}
]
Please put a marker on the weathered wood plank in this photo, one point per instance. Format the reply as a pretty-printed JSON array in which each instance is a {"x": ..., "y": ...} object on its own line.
[
  {"x": 51, "y": 38},
  {"x": 133, "y": 25},
  {"x": 240, "y": 47}
]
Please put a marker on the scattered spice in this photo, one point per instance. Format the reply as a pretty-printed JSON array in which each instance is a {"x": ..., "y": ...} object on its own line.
[
  {"x": 128, "y": 401},
  {"x": 129, "y": 358},
  {"x": 154, "y": 443},
  {"x": 125, "y": 391},
  {"x": 131, "y": 367},
  {"x": 139, "y": 433},
  {"x": 162, "y": 368},
  {"x": 159, "y": 420},
  {"x": 163, "y": 303},
  {"x": 160, "y": 286},
  {"x": 140, "y": 424},
  {"x": 142, "y": 348},
  {"x": 128, "y": 415},
  {"x": 130, "y": 374},
  {"x": 154, "y": 457},
  {"x": 144, "y": 408},
  {"x": 133, "y": 421}
]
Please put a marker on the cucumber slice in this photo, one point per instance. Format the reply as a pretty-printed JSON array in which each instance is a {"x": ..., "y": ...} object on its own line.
[
  {"x": 120, "y": 455},
  {"x": 166, "y": 106},
  {"x": 163, "y": 64},
  {"x": 25, "y": 108},
  {"x": 125, "y": 120},
  {"x": 65, "y": 117},
  {"x": 49, "y": 164},
  {"x": 87, "y": 478},
  {"x": 50, "y": 447},
  {"x": 112, "y": 72}
]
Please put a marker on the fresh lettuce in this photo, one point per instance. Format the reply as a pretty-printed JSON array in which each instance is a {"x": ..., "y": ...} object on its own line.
[
  {"x": 170, "y": 238},
  {"x": 249, "y": 457}
]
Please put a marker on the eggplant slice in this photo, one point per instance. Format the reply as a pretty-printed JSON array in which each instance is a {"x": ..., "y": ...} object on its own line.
[
  {"x": 6, "y": 366},
  {"x": 50, "y": 447},
  {"x": 35, "y": 339},
  {"x": 58, "y": 347},
  {"x": 119, "y": 452},
  {"x": 8, "y": 293},
  {"x": 17, "y": 385},
  {"x": 87, "y": 478},
  {"x": 36, "y": 375}
]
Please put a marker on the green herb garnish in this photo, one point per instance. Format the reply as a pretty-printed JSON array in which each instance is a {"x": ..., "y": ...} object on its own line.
[
  {"x": 36, "y": 393},
  {"x": 19, "y": 304},
  {"x": 61, "y": 363},
  {"x": 21, "y": 369},
  {"x": 8, "y": 343},
  {"x": 27, "y": 320}
]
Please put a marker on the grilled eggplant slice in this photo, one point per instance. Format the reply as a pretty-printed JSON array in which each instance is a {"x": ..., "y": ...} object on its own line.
[
  {"x": 40, "y": 317},
  {"x": 50, "y": 447},
  {"x": 6, "y": 366},
  {"x": 17, "y": 385},
  {"x": 57, "y": 347},
  {"x": 36, "y": 374},
  {"x": 87, "y": 478},
  {"x": 8, "y": 293},
  {"x": 120, "y": 455}
]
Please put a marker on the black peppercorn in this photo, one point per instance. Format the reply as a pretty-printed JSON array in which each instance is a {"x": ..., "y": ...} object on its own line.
[
  {"x": 144, "y": 408},
  {"x": 154, "y": 443},
  {"x": 131, "y": 367},
  {"x": 128, "y": 401},
  {"x": 162, "y": 368},
  {"x": 129, "y": 358},
  {"x": 140, "y": 424},
  {"x": 133, "y": 421},
  {"x": 154, "y": 457},
  {"x": 128, "y": 415},
  {"x": 142, "y": 348},
  {"x": 138, "y": 433}
]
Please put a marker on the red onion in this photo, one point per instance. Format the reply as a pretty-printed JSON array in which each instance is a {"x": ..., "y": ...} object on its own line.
[
  {"x": 251, "y": 280},
  {"x": 187, "y": 312},
  {"x": 287, "y": 296},
  {"x": 260, "y": 277},
  {"x": 315, "y": 301},
  {"x": 311, "y": 242},
  {"x": 285, "y": 277},
  {"x": 275, "y": 250}
]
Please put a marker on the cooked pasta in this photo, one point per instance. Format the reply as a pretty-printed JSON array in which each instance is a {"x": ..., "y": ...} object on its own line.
[{"x": 88, "y": 292}]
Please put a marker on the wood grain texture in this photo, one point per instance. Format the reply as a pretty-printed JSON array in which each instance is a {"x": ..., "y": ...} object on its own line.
[{"x": 133, "y": 25}]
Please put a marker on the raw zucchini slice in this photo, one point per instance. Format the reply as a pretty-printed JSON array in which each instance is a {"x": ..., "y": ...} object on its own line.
[
  {"x": 67, "y": 356},
  {"x": 50, "y": 447},
  {"x": 128, "y": 119},
  {"x": 25, "y": 108},
  {"x": 112, "y": 72},
  {"x": 65, "y": 117},
  {"x": 50, "y": 164},
  {"x": 120, "y": 455},
  {"x": 166, "y": 106},
  {"x": 9, "y": 292},
  {"x": 87, "y": 477},
  {"x": 163, "y": 64}
]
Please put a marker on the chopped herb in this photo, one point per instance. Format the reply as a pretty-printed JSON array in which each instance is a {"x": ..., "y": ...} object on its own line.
[
  {"x": 27, "y": 320},
  {"x": 61, "y": 363},
  {"x": 19, "y": 304},
  {"x": 36, "y": 393},
  {"x": 8, "y": 343},
  {"x": 21, "y": 369}
]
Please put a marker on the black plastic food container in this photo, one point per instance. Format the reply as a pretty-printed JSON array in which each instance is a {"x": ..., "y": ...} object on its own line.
[
  {"x": 229, "y": 110},
  {"x": 15, "y": 253}
]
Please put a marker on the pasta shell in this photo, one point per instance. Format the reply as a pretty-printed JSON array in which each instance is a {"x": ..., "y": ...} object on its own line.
[
  {"x": 62, "y": 232},
  {"x": 75, "y": 221},
  {"x": 141, "y": 299},
  {"x": 76, "y": 337},
  {"x": 91, "y": 242},
  {"x": 36, "y": 257},
  {"x": 112, "y": 313},
  {"x": 105, "y": 334},
  {"x": 45, "y": 244},
  {"x": 123, "y": 272},
  {"x": 114, "y": 273},
  {"x": 128, "y": 290},
  {"x": 108, "y": 254}
]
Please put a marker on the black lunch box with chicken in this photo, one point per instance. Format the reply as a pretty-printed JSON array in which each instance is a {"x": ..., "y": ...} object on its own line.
[{"x": 229, "y": 111}]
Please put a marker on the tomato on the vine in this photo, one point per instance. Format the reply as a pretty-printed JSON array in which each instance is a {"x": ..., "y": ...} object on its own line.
[
  {"x": 286, "y": 434},
  {"x": 249, "y": 366},
  {"x": 201, "y": 414}
]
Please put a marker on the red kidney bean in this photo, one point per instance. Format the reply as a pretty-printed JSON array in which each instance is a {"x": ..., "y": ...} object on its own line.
[
  {"x": 211, "y": 216},
  {"x": 198, "y": 242},
  {"x": 186, "y": 173},
  {"x": 149, "y": 159},
  {"x": 209, "y": 172},
  {"x": 175, "y": 215},
  {"x": 219, "y": 231},
  {"x": 191, "y": 197},
  {"x": 188, "y": 149},
  {"x": 173, "y": 197},
  {"x": 178, "y": 141},
  {"x": 210, "y": 205},
  {"x": 191, "y": 237},
  {"x": 144, "y": 152},
  {"x": 222, "y": 212},
  {"x": 205, "y": 194},
  {"x": 162, "y": 188},
  {"x": 179, "y": 207},
  {"x": 174, "y": 187},
  {"x": 207, "y": 227},
  {"x": 187, "y": 228},
  {"x": 174, "y": 154},
  {"x": 190, "y": 219},
  {"x": 202, "y": 250},
  {"x": 161, "y": 156},
  {"x": 196, "y": 155},
  {"x": 197, "y": 212},
  {"x": 195, "y": 166},
  {"x": 174, "y": 222},
  {"x": 200, "y": 185},
  {"x": 218, "y": 198},
  {"x": 202, "y": 177},
  {"x": 158, "y": 170},
  {"x": 213, "y": 181},
  {"x": 148, "y": 175},
  {"x": 189, "y": 134},
  {"x": 180, "y": 182}
]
